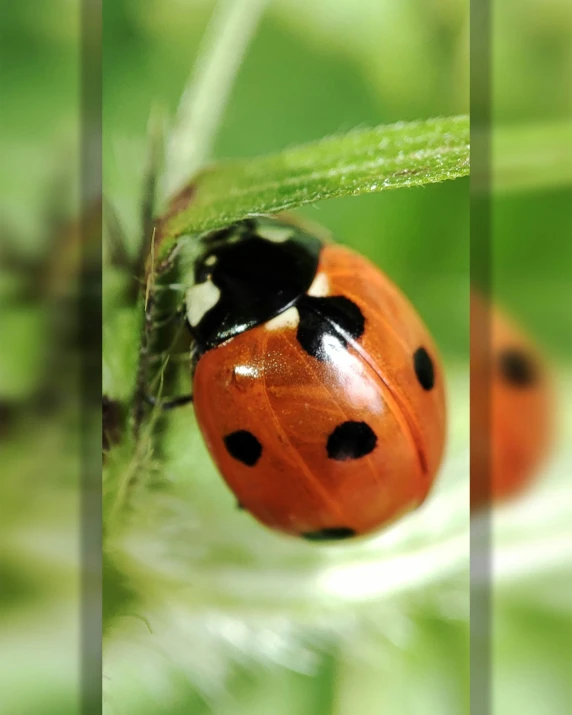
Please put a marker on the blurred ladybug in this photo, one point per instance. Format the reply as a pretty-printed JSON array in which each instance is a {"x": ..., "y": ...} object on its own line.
[
  {"x": 511, "y": 406},
  {"x": 317, "y": 388}
]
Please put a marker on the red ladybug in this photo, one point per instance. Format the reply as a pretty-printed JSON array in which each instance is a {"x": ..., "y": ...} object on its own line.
[
  {"x": 318, "y": 389},
  {"x": 511, "y": 406}
]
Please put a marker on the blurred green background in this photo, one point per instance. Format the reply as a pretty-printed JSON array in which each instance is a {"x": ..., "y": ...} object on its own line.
[{"x": 40, "y": 657}]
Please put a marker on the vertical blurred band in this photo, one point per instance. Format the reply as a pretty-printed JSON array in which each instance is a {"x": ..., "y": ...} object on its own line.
[
  {"x": 89, "y": 330},
  {"x": 480, "y": 277}
]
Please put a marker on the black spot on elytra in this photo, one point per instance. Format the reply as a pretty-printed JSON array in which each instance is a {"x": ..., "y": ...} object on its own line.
[
  {"x": 239, "y": 506},
  {"x": 517, "y": 368},
  {"x": 243, "y": 446},
  {"x": 424, "y": 368},
  {"x": 351, "y": 440},
  {"x": 334, "y": 533},
  {"x": 327, "y": 323}
]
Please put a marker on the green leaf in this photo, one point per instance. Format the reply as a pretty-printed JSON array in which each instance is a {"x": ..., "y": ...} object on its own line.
[{"x": 362, "y": 161}]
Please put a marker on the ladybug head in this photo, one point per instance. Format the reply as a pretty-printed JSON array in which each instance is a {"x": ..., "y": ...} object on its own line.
[{"x": 247, "y": 274}]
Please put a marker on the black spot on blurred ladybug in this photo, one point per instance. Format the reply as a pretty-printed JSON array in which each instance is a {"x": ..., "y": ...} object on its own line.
[
  {"x": 327, "y": 324},
  {"x": 243, "y": 446},
  {"x": 516, "y": 368},
  {"x": 239, "y": 506},
  {"x": 424, "y": 368},
  {"x": 334, "y": 533},
  {"x": 351, "y": 440}
]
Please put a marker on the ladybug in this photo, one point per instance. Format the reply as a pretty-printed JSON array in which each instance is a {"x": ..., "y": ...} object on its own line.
[
  {"x": 317, "y": 388},
  {"x": 511, "y": 407}
]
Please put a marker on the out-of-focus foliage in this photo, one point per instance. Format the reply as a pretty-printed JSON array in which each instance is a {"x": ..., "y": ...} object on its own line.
[{"x": 39, "y": 359}]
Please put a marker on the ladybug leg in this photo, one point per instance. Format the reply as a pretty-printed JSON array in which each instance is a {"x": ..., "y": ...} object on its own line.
[
  {"x": 180, "y": 400},
  {"x": 170, "y": 404}
]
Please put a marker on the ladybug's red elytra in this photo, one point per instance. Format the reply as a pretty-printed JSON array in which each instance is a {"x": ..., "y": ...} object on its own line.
[{"x": 317, "y": 387}]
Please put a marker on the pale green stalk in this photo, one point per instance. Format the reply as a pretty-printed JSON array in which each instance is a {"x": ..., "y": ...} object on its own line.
[{"x": 205, "y": 98}]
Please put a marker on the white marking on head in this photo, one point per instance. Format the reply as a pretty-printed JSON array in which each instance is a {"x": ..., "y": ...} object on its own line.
[
  {"x": 320, "y": 287},
  {"x": 288, "y": 319},
  {"x": 211, "y": 260},
  {"x": 200, "y": 299},
  {"x": 276, "y": 234}
]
